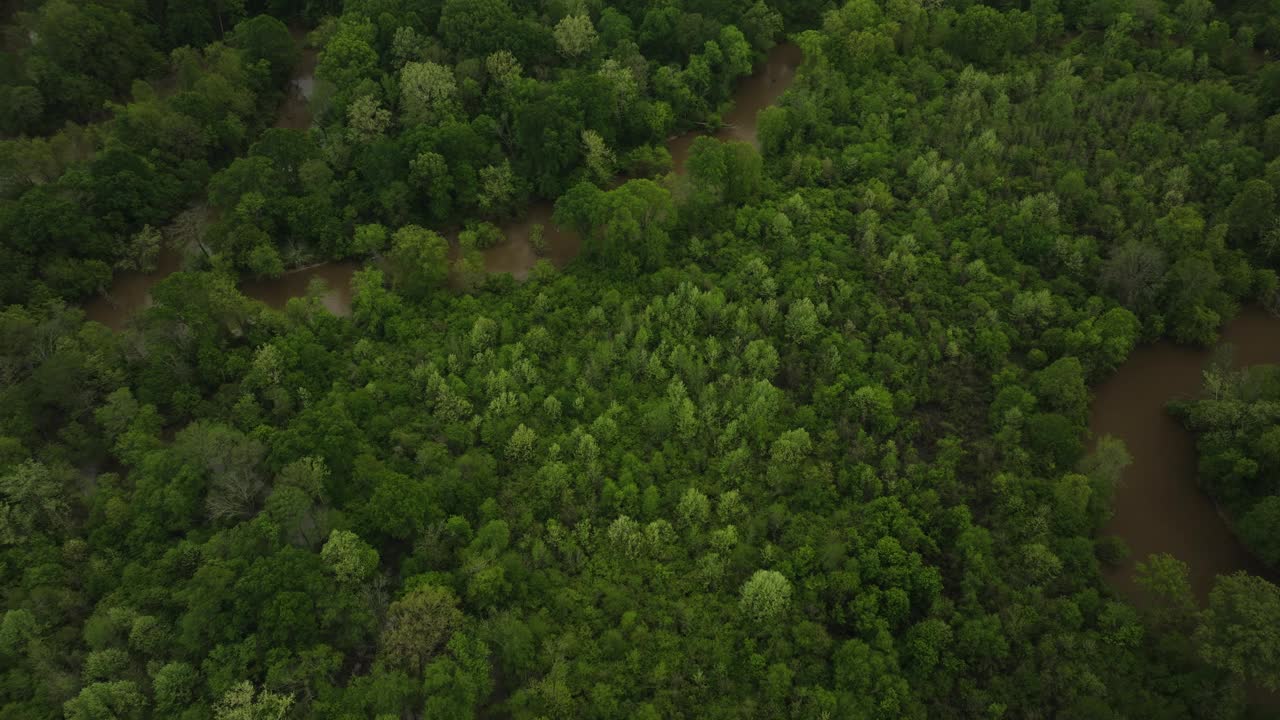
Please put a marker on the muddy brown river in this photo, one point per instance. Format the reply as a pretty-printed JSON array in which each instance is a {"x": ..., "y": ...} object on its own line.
[
  {"x": 1159, "y": 508},
  {"x": 130, "y": 292}
]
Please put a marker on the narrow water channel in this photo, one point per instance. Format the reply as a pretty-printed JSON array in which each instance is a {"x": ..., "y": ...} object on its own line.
[
  {"x": 1159, "y": 507},
  {"x": 751, "y": 95},
  {"x": 130, "y": 292},
  {"x": 295, "y": 114}
]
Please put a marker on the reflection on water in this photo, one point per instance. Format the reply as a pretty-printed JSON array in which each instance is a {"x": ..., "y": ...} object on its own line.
[
  {"x": 515, "y": 255},
  {"x": 1159, "y": 508}
]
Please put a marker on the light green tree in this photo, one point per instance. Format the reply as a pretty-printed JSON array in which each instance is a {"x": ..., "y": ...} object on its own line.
[
  {"x": 575, "y": 35},
  {"x": 417, "y": 626},
  {"x": 766, "y": 595},
  {"x": 600, "y": 160},
  {"x": 367, "y": 120},
  {"x": 32, "y": 498},
  {"x": 418, "y": 260},
  {"x": 802, "y": 321},
  {"x": 244, "y": 702},
  {"x": 694, "y": 507},
  {"x": 116, "y": 700},
  {"x": 497, "y": 186},
  {"x": 520, "y": 447},
  {"x": 349, "y": 558},
  {"x": 503, "y": 68},
  {"x": 427, "y": 91}
]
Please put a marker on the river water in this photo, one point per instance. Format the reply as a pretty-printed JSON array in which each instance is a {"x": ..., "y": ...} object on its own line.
[
  {"x": 130, "y": 292},
  {"x": 1159, "y": 508},
  {"x": 751, "y": 95},
  {"x": 295, "y": 114}
]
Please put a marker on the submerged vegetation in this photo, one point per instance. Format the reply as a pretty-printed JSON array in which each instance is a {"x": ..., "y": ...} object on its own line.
[{"x": 800, "y": 433}]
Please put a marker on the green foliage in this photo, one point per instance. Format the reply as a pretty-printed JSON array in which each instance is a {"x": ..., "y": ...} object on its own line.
[
  {"x": 418, "y": 260},
  {"x": 1238, "y": 440},
  {"x": 765, "y": 596},
  {"x": 1239, "y": 630},
  {"x": 418, "y": 625},
  {"x": 349, "y": 558},
  {"x": 801, "y": 432}
]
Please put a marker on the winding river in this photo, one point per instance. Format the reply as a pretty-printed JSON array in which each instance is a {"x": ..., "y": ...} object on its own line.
[
  {"x": 130, "y": 291},
  {"x": 1159, "y": 508}
]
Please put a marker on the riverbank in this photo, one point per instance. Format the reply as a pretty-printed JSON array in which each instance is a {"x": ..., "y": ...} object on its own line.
[
  {"x": 1159, "y": 506},
  {"x": 515, "y": 255}
]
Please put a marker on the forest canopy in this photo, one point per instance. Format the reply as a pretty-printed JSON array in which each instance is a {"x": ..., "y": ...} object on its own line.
[{"x": 788, "y": 419}]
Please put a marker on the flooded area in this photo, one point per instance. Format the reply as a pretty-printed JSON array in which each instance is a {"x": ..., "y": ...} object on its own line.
[
  {"x": 1159, "y": 507},
  {"x": 516, "y": 255},
  {"x": 336, "y": 276},
  {"x": 130, "y": 292},
  {"x": 752, "y": 94}
]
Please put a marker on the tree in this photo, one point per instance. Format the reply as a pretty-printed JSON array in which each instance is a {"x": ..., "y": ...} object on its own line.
[
  {"x": 87, "y": 53},
  {"x": 458, "y": 684},
  {"x": 761, "y": 24},
  {"x": 503, "y": 68},
  {"x": 175, "y": 686},
  {"x": 429, "y": 173},
  {"x": 427, "y": 92},
  {"x": 418, "y": 625},
  {"x": 143, "y": 250},
  {"x": 190, "y": 24},
  {"x": 418, "y": 261},
  {"x": 580, "y": 208},
  {"x": 520, "y": 446},
  {"x": 980, "y": 35},
  {"x": 244, "y": 702},
  {"x": 1258, "y": 529},
  {"x": 265, "y": 39},
  {"x": 575, "y": 35},
  {"x": 116, "y": 700},
  {"x": 32, "y": 499},
  {"x": 1240, "y": 630},
  {"x": 765, "y": 596},
  {"x": 349, "y": 56},
  {"x": 497, "y": 187},
  {"x": 349, "y": 558},
  {"x": 629, "y": 224},
  {"x": 476, "y": 28},
  {"x": 231, "y": 464},
  {"x": 802, "y": 321},
  {"x": 367, "y": 120},
  {"x": 1167, "y": 580},
  {"x": 761, "y": 359},
  {"x": 1061, "y": 387},
  {"x": 369, "y": 239},
  {"x": 599, "y": 160},
  {"x": 1252, "y": 210},
  {"x": 693, "y": 508}
]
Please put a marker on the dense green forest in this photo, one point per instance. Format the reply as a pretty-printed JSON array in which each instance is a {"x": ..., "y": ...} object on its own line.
[{"x": 801, "y": 433}]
